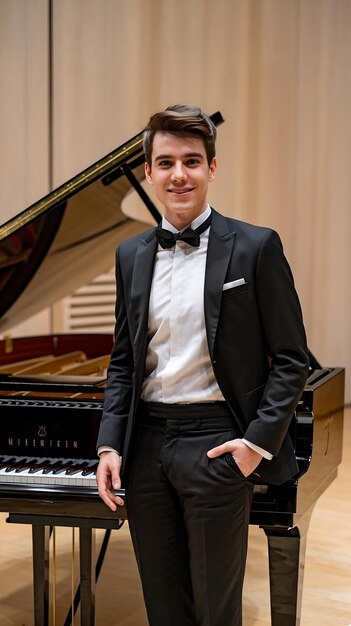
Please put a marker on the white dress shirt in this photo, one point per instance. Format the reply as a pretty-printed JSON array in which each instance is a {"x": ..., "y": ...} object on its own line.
[{"x": 178, "y": 368}]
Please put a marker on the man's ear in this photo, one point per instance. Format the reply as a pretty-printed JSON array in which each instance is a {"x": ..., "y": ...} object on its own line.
[
  {"x": 213, "y": 169},
  {"x": 148, "y": 174}
]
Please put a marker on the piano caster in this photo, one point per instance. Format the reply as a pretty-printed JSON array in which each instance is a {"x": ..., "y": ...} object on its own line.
[{"x": 286, "y": 550}]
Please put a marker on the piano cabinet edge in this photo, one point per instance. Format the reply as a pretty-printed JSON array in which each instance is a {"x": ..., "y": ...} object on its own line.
[
  {"x": 327, "y": 439},
  {"x": 67, "y": 512}
]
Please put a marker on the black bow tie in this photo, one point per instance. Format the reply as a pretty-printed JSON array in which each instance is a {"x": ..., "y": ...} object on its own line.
[{"x": 167, "y": 239}]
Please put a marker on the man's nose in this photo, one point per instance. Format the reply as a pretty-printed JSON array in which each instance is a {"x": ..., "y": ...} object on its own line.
[{"x": 178, "y": 172}]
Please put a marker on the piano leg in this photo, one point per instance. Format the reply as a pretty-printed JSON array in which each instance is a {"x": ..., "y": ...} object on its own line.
[
  {"x": 41, "y": 525},
  {"x": 87, "y": 575},
  {"x": 40, "y": 543},
  {"x": 286, "y": 549}
]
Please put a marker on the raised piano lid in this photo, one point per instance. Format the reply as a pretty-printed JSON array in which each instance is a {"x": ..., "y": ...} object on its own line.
[{"x": 68, "y": 237}]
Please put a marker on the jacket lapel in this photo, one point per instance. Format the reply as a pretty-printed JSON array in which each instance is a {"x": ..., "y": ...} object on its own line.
[
  {"x": 220, "y": 247},
  {"x": 141, "y": 281},
  {"x": 219, "y": 252}
]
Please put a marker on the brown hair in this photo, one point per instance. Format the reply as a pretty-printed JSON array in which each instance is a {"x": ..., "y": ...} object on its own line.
[{"x": 185, "y": 119}]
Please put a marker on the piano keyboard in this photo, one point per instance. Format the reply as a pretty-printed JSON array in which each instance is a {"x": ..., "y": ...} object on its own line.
[{"x": 50, "y": 471}]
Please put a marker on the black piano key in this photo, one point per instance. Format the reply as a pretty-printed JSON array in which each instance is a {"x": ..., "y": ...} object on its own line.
[
  {"x": 90, "y": 470},
  {"x": 37, "y": 467},
  {"x": 12, "y": 467},
  {"x": 63, "y": 468},
  {"x": 6, "y": 462},
  {"x": 57, "y": 465},
  {"x": 25, "y": 465},
  {"x": 52, "y": 466},
  {"x": 76, "y": 468}
]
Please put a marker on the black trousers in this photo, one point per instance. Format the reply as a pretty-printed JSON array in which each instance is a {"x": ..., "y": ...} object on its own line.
[{"x": 188, "y": 516}]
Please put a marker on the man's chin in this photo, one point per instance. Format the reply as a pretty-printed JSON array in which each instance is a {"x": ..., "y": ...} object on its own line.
[{"x": 186, "y": 212}]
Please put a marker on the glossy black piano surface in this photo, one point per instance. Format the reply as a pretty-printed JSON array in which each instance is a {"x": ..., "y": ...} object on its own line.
[
  {"x": 57, "y": 422},
  {"x": 51, "y": 414}
]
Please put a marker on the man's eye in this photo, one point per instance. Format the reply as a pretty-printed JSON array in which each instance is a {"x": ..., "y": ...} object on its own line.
[
  {"x": 192, "y": 162},
  {"x": 164, "y": 163}
]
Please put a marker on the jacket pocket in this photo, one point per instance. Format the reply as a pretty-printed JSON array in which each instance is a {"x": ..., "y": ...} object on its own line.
[
  {"x": 235, "y": 291},
  {"x": 255, "y": 390}
]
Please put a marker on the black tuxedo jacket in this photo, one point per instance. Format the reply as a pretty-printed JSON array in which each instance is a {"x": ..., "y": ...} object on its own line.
[{"x": 255, "y": 335}]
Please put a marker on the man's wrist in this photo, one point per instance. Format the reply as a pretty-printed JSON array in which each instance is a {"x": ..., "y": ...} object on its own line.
[
  {"x": 264, "y": 453},
  {"x": 102, "y": 449}
]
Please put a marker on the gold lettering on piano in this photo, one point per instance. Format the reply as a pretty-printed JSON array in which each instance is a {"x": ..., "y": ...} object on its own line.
[{"x": 41, "y": 443}]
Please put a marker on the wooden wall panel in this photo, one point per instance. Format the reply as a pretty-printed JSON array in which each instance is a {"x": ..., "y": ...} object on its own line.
[
  {"x": 280, "y": 74},
  {"x": 278, "y": 71},
  {"x": 100, "y": 98},
  {"x": 24, "y": 115},
  {"x": 24, "y": 104}
]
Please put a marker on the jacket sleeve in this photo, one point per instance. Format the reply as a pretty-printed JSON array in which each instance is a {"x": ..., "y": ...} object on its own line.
[
  {"x": 285, "y": 339},
  {"x": 118, "y": 389}
]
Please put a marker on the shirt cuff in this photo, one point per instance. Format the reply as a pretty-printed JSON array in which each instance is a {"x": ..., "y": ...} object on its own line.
[
  {"x": 107, "y": 449},
  {"x": 261, "y": 451}
]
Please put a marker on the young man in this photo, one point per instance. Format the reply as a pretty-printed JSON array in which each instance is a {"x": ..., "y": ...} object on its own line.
[{"x": 208, "y": 365}]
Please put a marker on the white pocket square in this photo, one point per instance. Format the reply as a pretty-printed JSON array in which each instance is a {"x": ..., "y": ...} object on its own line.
[{"x": 234, "y": 283}]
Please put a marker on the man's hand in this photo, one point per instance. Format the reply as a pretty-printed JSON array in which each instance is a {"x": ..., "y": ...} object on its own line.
[
  {"x": 245, "y": 458},
  {"x": 108, "y": 479}
]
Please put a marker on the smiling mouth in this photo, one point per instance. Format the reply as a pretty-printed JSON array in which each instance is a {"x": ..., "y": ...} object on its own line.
[{"x": 180, "y": 192}]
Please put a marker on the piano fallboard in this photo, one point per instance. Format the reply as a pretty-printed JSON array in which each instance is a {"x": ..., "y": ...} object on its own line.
[{"x": 52, "y": 427}]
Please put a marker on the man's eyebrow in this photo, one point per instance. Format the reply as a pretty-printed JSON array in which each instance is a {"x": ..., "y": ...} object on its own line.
[{"x": 188, "y": 155}]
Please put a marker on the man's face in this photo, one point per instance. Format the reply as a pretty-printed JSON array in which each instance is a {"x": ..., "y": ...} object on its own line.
[{"x": 180, "y": 175}]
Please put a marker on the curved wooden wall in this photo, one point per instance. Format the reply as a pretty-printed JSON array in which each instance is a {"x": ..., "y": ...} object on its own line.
[{"x": 280, "y": 73}]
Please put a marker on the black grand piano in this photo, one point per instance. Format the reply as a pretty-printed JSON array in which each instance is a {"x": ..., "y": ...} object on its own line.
[{"x": 51, "y": 392}]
